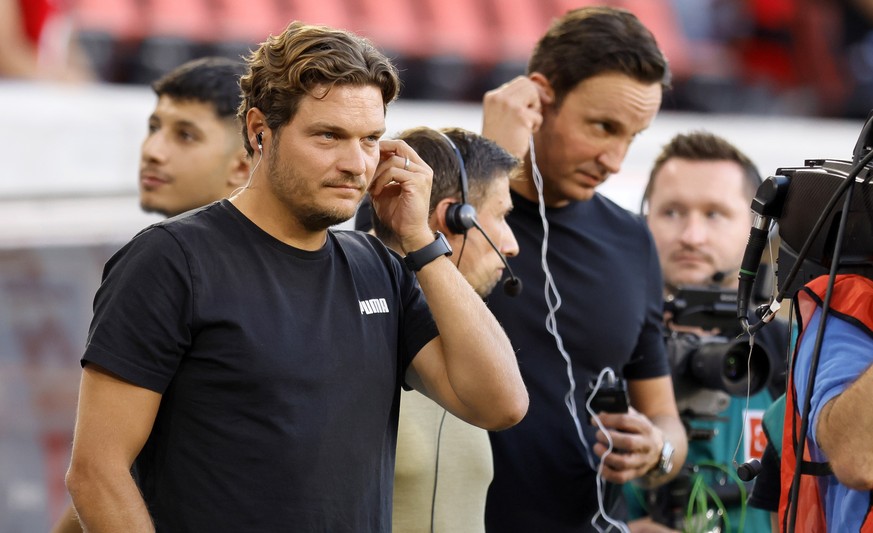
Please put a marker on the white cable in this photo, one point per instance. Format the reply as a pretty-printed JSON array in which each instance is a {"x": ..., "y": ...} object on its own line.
[
  {"x": 748, "y": 395},
  {"x": 251, "y": 175},
  {"x": 601, "y": 487},
  {"x": 550, "y": 289}
]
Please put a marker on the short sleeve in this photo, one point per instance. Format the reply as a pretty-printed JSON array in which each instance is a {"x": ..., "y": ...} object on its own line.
[{"x": 142, "y": 311}]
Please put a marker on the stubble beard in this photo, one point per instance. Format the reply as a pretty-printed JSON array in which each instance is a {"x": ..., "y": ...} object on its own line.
[{"x": 290, "y": 190}]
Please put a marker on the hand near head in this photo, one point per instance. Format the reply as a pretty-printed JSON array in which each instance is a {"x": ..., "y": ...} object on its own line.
[
  {"x": 636, "y": 445},
  {"x": 401, "y": 194},
  {"x": 512, "y": 112}
]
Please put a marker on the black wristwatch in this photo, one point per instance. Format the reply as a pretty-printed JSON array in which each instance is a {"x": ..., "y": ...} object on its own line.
[{"x": 416, "y": 260}]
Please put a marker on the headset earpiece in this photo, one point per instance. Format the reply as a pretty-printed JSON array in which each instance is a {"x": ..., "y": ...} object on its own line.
[
  {"x": 260, "y": 138},
  {"x": 460, "y": 217}
]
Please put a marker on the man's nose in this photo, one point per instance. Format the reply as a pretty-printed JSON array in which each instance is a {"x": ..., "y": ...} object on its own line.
[{"x": 694, "y": 231}]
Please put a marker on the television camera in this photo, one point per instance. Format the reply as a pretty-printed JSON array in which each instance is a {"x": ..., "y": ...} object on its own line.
[
  {"x": 824, "y": 211},
  {"x": 709, "y": 357}
]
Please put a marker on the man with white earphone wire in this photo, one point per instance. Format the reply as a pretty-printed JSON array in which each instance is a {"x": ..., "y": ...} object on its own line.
[
  {"x": 245, "y": 360},
  {"x": 592, "y": 303}
]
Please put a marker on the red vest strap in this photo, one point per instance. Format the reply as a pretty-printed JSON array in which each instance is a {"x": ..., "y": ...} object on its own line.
[{"x": 850, "y": 300}]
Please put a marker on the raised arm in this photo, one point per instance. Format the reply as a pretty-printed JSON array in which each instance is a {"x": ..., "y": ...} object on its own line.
[
  {"x": 113, "y": 422},
  {"x": 511, "y": 112},
  {"x": 470, "y": 369}
]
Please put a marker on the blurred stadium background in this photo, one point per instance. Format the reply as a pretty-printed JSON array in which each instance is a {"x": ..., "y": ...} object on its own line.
[{"x": 785, "y": 80}]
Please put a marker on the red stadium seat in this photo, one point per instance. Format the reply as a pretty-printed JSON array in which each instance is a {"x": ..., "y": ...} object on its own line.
[
  {"x": 188, "y": 19},
  {"x": 393, "y": 25},
  {"x": 516, "y": 30},
  {"x": 120, "y": 19},
  {"x": 334, "y": 13},
  {"x": 247, "y": 20},
  {"x": 457, "y": 28}
]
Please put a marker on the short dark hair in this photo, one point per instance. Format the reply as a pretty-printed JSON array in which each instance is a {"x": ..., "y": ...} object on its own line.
[
  {"x": 484, "y": 161},
  {"x": 289, "y": 66},
  {"x": 210, "y": 80},
  {"x": 704, "y": 146},
  {"x": 590, "y": 41}
]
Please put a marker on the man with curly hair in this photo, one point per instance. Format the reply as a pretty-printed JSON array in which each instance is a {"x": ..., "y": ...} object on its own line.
[{"x": 245, "y": 361}]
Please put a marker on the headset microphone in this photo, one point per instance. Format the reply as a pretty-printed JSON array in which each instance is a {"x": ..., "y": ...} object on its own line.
[
  {"x": 512, "y": 286},
  {"x": 461, "y": 216}
]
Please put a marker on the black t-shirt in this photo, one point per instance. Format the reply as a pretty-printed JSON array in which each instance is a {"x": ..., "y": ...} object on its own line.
[
  {"x": 605, "y": 267},
  {"x": 280, "y": 371}
]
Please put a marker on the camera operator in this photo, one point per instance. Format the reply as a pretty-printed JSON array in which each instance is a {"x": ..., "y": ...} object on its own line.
[
  {"x": 698, "y": 199},
  {"x": 841, "y": 418}
]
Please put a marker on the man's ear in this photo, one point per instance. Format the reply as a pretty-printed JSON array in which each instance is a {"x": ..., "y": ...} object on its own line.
[
  {"x": 255, "y": 123},
  {"x": 437, "y": 220},
  {"x": 547, "y": 93}
]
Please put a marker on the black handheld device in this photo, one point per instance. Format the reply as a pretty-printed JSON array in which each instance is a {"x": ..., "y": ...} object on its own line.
[{"x": 611, "y": 397}]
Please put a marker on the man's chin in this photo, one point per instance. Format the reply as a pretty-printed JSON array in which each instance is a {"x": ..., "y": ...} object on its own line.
[
  {"x": 150, "y": 207},
  {"x": 326, "y": 219}
]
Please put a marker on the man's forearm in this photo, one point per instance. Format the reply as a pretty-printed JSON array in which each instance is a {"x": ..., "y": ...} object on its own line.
[
  {"x": 845, "y": 431},
  {"x": 479, "y": 360},
  {"x": 110, "y": 506}
]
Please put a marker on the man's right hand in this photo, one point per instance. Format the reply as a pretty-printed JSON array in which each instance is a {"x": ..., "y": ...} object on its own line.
[{"x": 512, "y": 112}]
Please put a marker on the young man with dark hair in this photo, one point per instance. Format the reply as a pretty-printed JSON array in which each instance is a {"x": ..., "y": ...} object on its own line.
[{"x": 193, "y": 153}]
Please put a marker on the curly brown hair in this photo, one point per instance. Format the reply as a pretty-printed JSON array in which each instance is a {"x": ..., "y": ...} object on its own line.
[{"x": 304, "y": 57}]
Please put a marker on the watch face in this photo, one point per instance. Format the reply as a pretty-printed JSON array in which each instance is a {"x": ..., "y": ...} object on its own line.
[{"x": 667, "y": 457}]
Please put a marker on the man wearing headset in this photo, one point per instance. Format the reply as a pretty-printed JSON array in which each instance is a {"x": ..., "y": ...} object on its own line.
[
  {"x": 443, "y": 465},
  {"x": 592, "y": 301}
]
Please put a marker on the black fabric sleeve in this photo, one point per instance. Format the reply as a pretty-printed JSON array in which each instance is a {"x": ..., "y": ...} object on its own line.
[
  {"x": 142, "y": 311},
  {"x": 649, "y": 358}
]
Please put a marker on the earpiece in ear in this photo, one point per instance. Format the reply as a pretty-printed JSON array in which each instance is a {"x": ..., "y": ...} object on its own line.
[
  {"x": 260, "y": 139},
  {"x": 460, "y": 217}
]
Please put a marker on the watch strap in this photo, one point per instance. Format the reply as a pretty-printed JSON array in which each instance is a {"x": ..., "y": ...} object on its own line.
[{"x": 416, "y": 260}]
